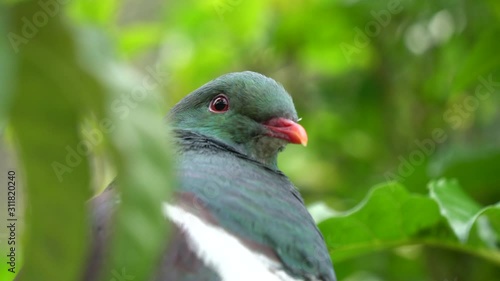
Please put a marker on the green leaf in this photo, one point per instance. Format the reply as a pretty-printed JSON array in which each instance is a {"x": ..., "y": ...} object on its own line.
[
  {"x": 388, "y": 216},
  {"x": 6, "y": 66},
  {"x": 145, "y": 180},
  {"x": 485, "y": 231},
  {"x": 63, "y": 77},
  {"x": 455, "y": 206},
  {"x": 478, "y": 228},
  {"x": 495, "y": 7},
  {"x": 45, "y": 115},
  {"x": 139, "y": 143}
]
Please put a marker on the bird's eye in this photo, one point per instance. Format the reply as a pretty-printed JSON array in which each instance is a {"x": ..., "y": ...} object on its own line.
[{"x": 219, "y": 104}]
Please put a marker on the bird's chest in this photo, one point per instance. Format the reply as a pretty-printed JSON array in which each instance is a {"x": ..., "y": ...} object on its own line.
[
  {"x": 226, "y": 204},
  {"x": 223, "y": 251}
]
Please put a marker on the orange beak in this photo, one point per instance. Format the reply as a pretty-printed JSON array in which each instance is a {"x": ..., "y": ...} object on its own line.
[{"x": 286, "y": 129}]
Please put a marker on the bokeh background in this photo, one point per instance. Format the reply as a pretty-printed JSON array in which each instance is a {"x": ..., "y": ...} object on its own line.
[{"x": 387, "y": 90}]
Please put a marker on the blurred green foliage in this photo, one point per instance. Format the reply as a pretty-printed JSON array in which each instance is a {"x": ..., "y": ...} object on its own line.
[
  {"x": 72, "y": 106},
  {"x": 388, "y": 90},
  {"x": 391, "y": 217}
]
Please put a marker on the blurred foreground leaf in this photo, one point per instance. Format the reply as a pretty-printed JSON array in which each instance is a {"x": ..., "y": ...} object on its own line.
[
  {"x": 47, "y": 104},
  {"x": 145, "y": 180},
  {"x": 62, "y": 78},
  {"x": 138, "y": 142},
  {"x": 7, "y": 64}
]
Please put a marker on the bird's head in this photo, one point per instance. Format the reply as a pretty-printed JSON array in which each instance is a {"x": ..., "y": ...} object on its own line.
[{"x": 246, "y": 110}]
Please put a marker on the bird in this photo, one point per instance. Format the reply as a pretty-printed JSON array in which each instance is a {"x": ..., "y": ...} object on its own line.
[{"x": 235, "y": 214}]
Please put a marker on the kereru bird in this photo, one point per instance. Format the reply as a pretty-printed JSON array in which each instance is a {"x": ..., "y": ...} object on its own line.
[{"x": 236, "y": 216}]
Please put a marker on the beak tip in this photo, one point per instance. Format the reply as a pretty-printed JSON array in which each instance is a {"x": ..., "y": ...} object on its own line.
[
  {"x": 287, "y": 130},
  {"x": 303, "y": 140}
]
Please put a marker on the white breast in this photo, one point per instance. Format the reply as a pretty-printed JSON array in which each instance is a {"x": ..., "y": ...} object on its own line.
[{"x": 222, "y": 251}]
